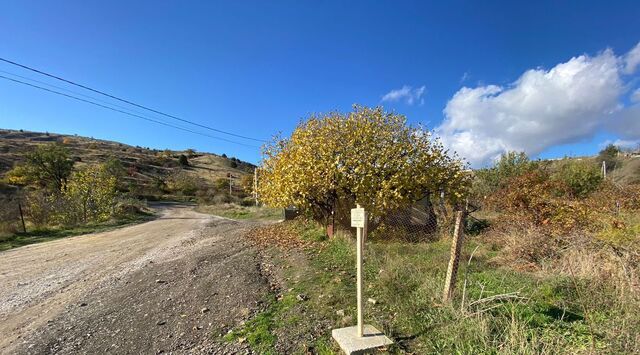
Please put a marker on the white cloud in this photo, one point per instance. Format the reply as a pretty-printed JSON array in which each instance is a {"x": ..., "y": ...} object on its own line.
[
  {"x": 407, "y": 94},
  {"x": 543, "y": 108},
  {"x": 627, "y": 123},
  {"x": 635, "y": 96},
  {"x": 622, "y": 143},
  {"x": 632, "y": 60}
]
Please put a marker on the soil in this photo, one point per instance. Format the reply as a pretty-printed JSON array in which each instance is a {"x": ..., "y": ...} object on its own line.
[{"x": 172, "y": 285}]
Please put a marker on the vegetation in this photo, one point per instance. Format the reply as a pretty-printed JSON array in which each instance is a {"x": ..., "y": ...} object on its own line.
[
  {"x": 235, "y": 211},
  {"x": 56, "y": 199},
  {"x": 551, "y": 267},
  {"x": 609, "y": 155},
  {"x": 49, "y": 166},
  {"x": 500, "y": 310}
]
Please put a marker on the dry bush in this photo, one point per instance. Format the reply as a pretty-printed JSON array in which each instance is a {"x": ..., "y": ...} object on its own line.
[
  {"x": 9, "y": 216},
  {"x": 523, "y": 244}
]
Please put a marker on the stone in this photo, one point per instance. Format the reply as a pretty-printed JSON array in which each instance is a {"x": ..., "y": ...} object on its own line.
[
  {"x": 349, "y": 341},
  {"x": 204, "y": 310},
  {"x": 340, "y": 312},
  {"x": 372, "y": 301},
  {"x": 302, "y": 297}
]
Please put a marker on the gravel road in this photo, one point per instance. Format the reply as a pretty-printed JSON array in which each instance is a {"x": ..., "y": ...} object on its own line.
[{"x": 171, "y": 285}]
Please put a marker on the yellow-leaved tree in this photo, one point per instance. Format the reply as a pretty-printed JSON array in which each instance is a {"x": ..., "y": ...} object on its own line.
[
  {"x": 367, "y": 156},
  {"x": 90, "y": 195}
]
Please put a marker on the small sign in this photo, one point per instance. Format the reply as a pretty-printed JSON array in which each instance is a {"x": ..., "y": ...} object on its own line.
[{"x": 357, "y": 217}]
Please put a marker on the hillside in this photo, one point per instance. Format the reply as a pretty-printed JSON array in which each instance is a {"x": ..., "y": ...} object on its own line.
[
  {"x": 626, "y": 171},
  {"x": 144, "y": 166}
]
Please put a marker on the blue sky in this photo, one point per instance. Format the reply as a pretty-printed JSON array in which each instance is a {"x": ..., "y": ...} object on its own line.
[{"x": 257, "y": 68}]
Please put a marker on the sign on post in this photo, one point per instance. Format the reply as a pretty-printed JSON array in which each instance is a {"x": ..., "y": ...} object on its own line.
[
  {"x": 357, "y": 217},
  {"x": 352, "y": 339}
]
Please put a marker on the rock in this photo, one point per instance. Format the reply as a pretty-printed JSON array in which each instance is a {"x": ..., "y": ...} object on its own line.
[
  {"x": 161, "y": 322},
  {"x": 372, "y": 301},
  {"x": 204, "y": 310},
  {"x": 158, "y": 281},
  {"x": 302, "y": 297},
  {"x": 241, "y": 340},
  {"x": 83, "y": 304},
  {"x": 340, "y": 312}
]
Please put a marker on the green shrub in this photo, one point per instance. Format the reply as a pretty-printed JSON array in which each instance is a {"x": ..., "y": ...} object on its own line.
[
  {"x": 582, "y": 177},
  {"x": 510, "y": 165}
]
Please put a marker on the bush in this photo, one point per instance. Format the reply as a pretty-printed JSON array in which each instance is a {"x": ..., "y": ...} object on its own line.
[
  {"x": 183, "y": 160},
  {"x": 90, "y": 196},
  {"x": 510, "y": 165},
  {"x": 184, "y": 183},
  {"x": 221, "y": 198},
  {"x": 581, "y": 177},
  {"x": 610, "y": 156}
]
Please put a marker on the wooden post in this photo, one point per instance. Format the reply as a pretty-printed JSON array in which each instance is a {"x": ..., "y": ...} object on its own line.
[
  {"x": 255, "y": 185},
  {"x": 359, "y": 239},
  {"x": 456, "y": 246},
  {"x": 604, "y": 169},
  {"x": 24, "y": 227}
]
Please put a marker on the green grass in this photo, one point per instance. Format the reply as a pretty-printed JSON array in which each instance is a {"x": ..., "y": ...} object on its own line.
[
  {"x": 233, "y": 211},
  {"x": 552, "y": 314},
  {"x": 10, "y": 241}
]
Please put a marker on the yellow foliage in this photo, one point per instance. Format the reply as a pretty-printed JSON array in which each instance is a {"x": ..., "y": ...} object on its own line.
[
  {"x": 91, "y": 194},
  {"x": 367, "y": 156}
]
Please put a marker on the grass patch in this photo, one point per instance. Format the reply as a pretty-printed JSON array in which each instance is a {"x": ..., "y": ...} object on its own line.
[
  {"x": 551, "y": 313},
  {"x": 15, "y": 240},
  {"x": 233, "y": 211}
]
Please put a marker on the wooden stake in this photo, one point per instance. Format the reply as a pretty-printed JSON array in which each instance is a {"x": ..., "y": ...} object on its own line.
[
  {"x": 24, "y": 227},
  {"x": 456, "y": 246}
]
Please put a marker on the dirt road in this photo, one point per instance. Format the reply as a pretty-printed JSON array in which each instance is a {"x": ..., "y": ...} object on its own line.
[{"x": 169, "y": 285}]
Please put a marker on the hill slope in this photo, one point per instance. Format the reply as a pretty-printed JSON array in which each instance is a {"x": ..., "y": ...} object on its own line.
[{"x": 144, "y": 166}]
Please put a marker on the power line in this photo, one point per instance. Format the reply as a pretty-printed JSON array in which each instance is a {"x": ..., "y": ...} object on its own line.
[
  {"x": 128, "y": 102},
  {"x": 72, "y": 92},
  {"x": 124, "y": 112}
]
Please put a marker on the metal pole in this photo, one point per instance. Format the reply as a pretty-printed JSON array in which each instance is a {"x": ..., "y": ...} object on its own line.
[{"x": 359, "y": 277}]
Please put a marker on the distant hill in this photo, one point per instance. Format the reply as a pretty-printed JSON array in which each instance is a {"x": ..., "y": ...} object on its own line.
[
  {"x": 144, "y": 165},
  {"x": 626, "y": 171}
]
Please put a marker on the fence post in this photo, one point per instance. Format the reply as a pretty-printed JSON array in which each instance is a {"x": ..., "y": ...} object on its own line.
[
  {"x": 24, "y": 227},
  {"x": 456, "y": 246}
]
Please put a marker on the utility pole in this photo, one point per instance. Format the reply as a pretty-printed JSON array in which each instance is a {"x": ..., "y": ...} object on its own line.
[{"x": 230, "y": 176}]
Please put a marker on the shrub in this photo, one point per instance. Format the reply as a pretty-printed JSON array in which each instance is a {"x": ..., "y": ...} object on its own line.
[
  {"x": 48, "y": 166},
  {"x": 184, "y": 183},
  {"x": 221, "y": 198},
  {"x": 610, "y": 156},
  {"x": 581, "y": 177},
  {"x": 90, "y": 196},
  {"x": 542, "y": 201},
  {"x": 510, "y": 165},
  {"x": 183, "y": 160}
]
